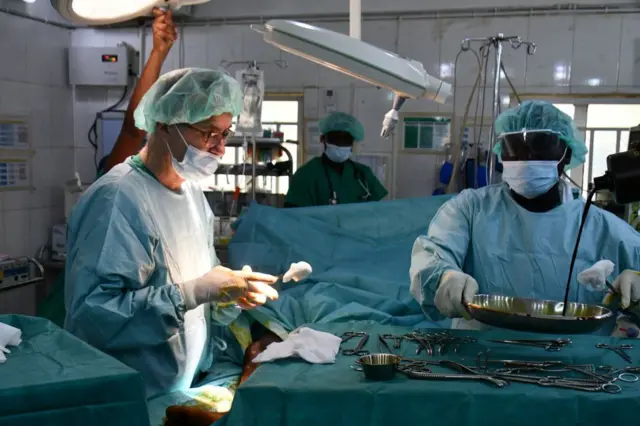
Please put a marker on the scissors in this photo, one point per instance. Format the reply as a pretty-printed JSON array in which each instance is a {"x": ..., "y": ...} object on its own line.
[{"x": 620, "y": 350}]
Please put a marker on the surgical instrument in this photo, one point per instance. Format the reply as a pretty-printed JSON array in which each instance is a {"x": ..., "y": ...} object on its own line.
[
  {"x": 483, "y": 361},
  {"x": 359, "y": 349},
  {"x": 587, "y": 378},
  {"x": 421, "y": 340},
  {"x": 620, "y": 350},
  {"x": 385, "y": 344},
  {"x": 416, "y": 369},
  {"x": 397, "y": 340},
  {"x": 605, "y": 387},
  {"x": 436, "y": 343},
  {"x": 350, "y": 335},
  {"x": 553, "y": 345},
  {"x": 435, "y": 376}
]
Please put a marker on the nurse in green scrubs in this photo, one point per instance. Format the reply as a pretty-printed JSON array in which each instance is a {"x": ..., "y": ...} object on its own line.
[{"x": 334, "y": 178}]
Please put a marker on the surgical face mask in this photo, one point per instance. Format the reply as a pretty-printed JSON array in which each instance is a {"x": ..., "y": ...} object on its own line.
[
  {"x": 338, "y": 154},
  {"x": 196, "y": 164},
  {"x": 530, "y": 178}
]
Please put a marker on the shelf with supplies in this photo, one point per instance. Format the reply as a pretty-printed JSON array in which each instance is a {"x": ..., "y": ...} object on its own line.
[{"x": 265, "y": 157}]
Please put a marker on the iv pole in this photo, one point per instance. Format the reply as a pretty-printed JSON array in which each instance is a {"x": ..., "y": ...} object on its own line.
[{"x": 496, "y": 43}]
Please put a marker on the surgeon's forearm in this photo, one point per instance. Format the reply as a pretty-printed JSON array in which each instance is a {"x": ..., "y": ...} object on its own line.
[
  {"x": 130, "y": 139},
  {"x": 149, "y": 76},
  {"x": 427, "y": 266}
]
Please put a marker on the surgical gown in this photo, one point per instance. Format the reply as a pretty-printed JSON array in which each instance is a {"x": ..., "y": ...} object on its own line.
[
  {"x": 515, "y": 252},
  {"x": 130, "y": 240}
]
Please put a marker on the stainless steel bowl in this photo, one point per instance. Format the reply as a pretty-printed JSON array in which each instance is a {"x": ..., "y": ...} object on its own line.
[
  {"x": 378, "y": 367},
  {"x": 541, "y": 316}
]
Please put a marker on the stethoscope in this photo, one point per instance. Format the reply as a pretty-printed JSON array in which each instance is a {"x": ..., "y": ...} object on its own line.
[{"x": 333, "y": 200}]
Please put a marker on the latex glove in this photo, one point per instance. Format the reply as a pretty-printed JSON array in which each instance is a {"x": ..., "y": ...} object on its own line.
[
  {"x": 595, "y": 277},
  {"x": 222, "y": 285},
  {"x": 259, "y": 289},
  {"x": 454, "y": 287},
  {"x": 628, "y": 286}
]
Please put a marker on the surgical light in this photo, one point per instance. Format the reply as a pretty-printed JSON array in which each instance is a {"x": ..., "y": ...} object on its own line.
[
  {"x": 106, "y": 12},
  {"x": 407, "y": 78}
]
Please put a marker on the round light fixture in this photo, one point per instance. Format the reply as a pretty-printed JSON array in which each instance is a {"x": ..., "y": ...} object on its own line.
[{"x": 106, "y": 12}]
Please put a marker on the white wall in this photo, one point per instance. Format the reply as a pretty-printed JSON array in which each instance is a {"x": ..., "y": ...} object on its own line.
[
  {"x": 258, "y": 8},
  {"x": 33, "y": 84},
  {"x": 603, "y": 47}
]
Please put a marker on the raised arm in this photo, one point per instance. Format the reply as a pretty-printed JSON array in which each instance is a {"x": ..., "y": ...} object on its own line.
[{"x": 130, "y": 139}]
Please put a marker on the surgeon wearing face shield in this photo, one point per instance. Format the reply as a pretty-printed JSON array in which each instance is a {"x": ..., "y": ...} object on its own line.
[
  {"x": 334, "y": 178},
  {"x": 143, "y": 282},
  {"x": 516, "y": 238}
]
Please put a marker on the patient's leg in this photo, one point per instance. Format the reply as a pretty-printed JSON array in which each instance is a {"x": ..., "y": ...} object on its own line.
[
  {"x": 178, "y": 415},
  {"x": 252, "y": 352}
]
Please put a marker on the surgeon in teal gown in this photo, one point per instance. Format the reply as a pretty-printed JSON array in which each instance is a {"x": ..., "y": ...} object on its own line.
[
  {"x": 143, "y": 282},
  {"x": 516, "y": 238}
]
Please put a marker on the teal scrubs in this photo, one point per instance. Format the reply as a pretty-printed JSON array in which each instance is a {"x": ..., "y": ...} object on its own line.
[
  {"x": 52, "y": 307},
  {"x": 316, "y": 181}
]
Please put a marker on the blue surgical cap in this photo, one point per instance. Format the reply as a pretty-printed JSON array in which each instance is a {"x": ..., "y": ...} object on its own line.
[
  {"x": 541, "y": 116},
  {"x": 188, "y": 95},
  {"x": 341, "y": 122}
]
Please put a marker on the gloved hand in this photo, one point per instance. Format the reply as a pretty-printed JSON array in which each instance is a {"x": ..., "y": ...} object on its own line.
[
  {"x": 628, "y": 286},
  {"x": 222, "y": 285},
  {"x": 454, "y": 287}
]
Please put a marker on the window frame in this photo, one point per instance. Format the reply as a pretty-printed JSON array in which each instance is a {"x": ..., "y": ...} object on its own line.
[{"x": 423, "y": 115}]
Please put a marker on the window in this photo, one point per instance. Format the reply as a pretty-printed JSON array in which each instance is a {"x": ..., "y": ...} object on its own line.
[
  {"x": 277, "y": 115},
  {"x": 607, "y": 132},
  {"x": 426, "y": 133},
  {"x": 611, "y": 116},
  {"x": 282, "y": 116}
]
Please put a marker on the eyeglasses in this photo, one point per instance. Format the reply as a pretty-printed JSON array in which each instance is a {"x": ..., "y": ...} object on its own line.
[{"x": 213, "y": 137}]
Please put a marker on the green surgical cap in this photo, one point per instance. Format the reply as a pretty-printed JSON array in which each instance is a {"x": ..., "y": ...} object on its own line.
[
  {"x": 341, "y": 122},
  {"x": 188, "y": 95},
  {"x": 541, "y": 116}
]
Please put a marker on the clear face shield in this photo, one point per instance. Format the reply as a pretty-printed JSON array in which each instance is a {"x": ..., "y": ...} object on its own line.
[{"x": 537, "y": 145}]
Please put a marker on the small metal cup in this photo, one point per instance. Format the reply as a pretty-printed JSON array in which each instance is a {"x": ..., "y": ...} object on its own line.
[{"x": 378, "y": 367}]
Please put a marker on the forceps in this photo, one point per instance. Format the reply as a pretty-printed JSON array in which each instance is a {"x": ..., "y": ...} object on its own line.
[
  {"x": 359, "y": 349},
  {"x": 422, "y": 341},
  {"x": 620, "y": 350},
  {"x": 397, "y": 340},
  {"x": 548, "y": 345}
]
